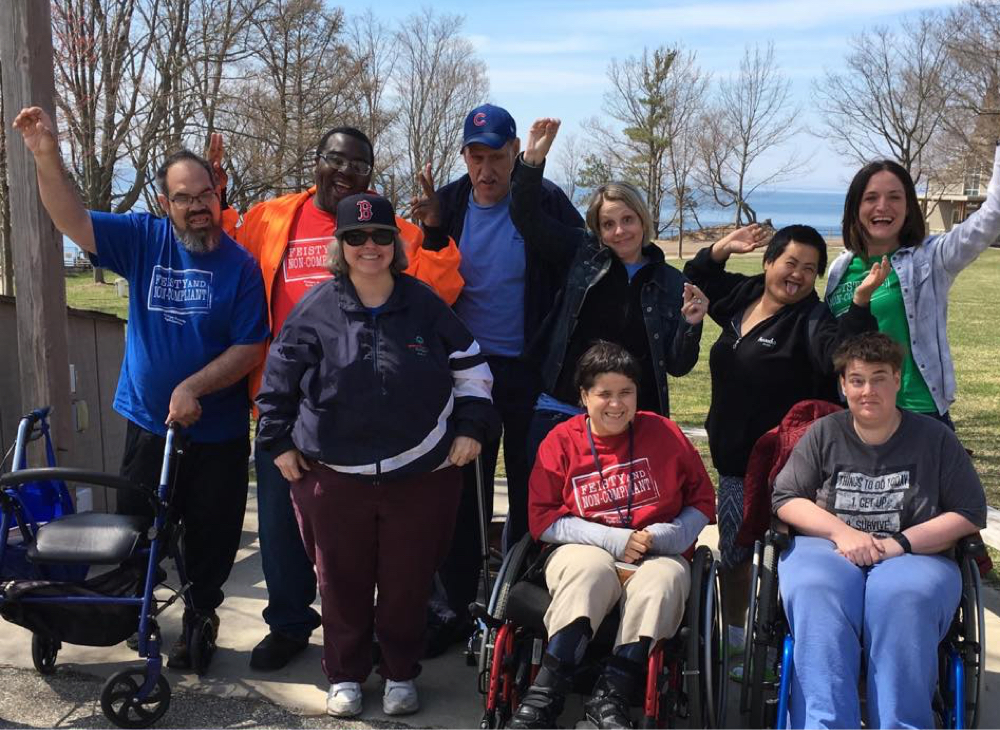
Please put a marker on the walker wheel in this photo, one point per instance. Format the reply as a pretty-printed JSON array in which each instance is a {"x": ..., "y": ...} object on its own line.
[
  {"x": 121, "y": 702},
  {"x": 43, "y": 653},
  {"x": 202, "y": 644}
]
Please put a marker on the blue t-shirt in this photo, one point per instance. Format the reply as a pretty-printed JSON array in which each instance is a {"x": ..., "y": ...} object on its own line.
[
  {"x": 185, "y": 310},
  {"x": 492, "y": 302}
]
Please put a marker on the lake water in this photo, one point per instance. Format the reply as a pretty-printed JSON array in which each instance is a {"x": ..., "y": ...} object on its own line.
[{"x": 820, "y": 209}]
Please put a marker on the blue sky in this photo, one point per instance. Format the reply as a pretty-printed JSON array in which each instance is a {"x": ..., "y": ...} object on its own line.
[{"x": 549, "y": 57}]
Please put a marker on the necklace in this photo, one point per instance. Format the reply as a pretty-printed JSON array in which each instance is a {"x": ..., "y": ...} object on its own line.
[{"x": 625, "y": 519}]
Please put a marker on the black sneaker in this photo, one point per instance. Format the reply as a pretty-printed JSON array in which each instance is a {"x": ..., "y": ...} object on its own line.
[
  {"x": 180, "y": 652},
  {"x": 607, "y": 709},
  {"x": 275, "y": 651},
  {"x": 540, "y": 708}
]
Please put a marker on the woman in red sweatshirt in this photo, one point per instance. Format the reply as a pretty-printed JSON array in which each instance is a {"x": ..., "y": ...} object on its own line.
[{"x": 615, "y": 490}]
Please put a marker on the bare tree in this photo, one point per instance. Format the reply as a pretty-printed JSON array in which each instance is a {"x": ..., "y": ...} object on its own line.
[
  {"x": 112, "y": 92},
  {"x": 372, "y": 46},
  {"x": 752, "y": 115},
  {"x": 639, "y": 100},
  {"x": 893, "y": 96},
  {"x": 438, "y": 80},
  {"x": 686, "y": 91},
  {"x": 569, "y": 157}
]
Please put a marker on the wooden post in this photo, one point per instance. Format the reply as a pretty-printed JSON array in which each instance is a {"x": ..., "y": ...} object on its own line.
[{"x": 26, "y": 62}]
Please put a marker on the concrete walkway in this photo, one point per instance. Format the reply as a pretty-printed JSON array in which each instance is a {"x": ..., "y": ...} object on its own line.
[{"x": 221, "y": 699}]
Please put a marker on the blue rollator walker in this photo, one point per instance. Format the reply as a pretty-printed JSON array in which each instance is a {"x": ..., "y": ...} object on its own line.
[
  {"x": 769, "y": 644},
  {"x": 110, "y": 606}
]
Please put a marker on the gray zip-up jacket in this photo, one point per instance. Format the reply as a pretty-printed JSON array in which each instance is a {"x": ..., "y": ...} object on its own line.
[{"x": 926, "y": 273}]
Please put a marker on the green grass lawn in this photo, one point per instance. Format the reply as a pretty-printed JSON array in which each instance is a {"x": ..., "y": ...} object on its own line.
[{"x": 976, "y": 351}]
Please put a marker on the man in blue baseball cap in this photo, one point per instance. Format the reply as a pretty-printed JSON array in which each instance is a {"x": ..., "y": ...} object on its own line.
[{"x": 508, "y": 292}]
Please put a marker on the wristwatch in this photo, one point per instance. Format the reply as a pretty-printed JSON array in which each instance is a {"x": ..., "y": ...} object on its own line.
[{"x": 903, "y": 542}]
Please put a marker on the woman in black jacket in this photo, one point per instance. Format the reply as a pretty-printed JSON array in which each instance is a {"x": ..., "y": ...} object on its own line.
[
  {"x": 618, "y": 288},
  {"x": 775, "y": 349},
  {"x": 374, "y": 393}
]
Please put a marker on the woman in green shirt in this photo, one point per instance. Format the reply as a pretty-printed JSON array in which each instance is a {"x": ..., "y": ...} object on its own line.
[{"x": 883, "y": 221}]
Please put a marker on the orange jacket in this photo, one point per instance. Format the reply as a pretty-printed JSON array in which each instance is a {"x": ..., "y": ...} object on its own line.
[{"x": 264, "y": 233}]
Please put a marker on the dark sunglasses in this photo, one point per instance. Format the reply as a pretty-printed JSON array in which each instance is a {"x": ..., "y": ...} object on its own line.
[{"x": 357, "y": 238}]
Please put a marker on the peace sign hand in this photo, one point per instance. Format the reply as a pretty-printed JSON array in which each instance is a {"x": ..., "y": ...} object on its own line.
[
  {"x": 695, "y": 304},
  {"x": 541, "y": 135},
  {"x": 216, "y": 154},
  {"x": 427, "y": 207},
  {"x": 876, "y": 277}
]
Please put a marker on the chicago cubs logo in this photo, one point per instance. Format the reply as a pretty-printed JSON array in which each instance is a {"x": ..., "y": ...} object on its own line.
[
  {"x": 480, "y": 119},
  {"x": 364, "y": 210}
]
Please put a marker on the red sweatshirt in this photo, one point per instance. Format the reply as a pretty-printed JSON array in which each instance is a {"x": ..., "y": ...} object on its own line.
[{"x": 668, "y": 476}]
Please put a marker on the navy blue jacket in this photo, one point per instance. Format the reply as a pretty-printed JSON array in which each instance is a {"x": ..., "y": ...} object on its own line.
[
  {"x": 374, "y": 396},
  {"x": 671, "y": 344},
  {"x": 542, "y": 279}
]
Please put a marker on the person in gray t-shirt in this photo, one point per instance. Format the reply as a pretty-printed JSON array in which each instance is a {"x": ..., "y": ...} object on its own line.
[{"x": 877, "y": 497}]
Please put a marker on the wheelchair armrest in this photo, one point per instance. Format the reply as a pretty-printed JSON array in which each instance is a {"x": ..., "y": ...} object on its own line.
[
  {"x": 80, "y": 476},
  {"x": 971, "y": 546},
  {"x": 780, "y": 534}
]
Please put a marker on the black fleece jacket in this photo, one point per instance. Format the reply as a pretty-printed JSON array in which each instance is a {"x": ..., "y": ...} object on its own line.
[{"x": 758, "y": 375}]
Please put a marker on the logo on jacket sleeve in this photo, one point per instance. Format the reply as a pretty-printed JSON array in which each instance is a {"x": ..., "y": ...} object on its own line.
[{"x": 364, "y": 210}]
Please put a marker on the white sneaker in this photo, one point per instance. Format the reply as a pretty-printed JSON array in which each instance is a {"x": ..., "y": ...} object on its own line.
[
  {"x": 344, "y": 699},
  {"x": 400, "y": 698}
]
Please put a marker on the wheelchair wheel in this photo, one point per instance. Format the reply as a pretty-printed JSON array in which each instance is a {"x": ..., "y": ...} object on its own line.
[
  {"x": 43, "y": 653},
  {"x": 494, "y": 664},
  {"x": 973, "y": 617},
  {"x": 122, "y": 705},
  {"x": 715, "y": 672},
  {"x": 201, "y": 644},
  {"x": 763, "y": 636}
]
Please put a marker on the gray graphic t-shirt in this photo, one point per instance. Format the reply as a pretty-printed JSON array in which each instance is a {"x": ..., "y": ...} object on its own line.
[{"x": 921, "y": 472}]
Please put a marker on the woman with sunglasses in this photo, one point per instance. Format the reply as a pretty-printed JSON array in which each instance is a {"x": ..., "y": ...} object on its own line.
[
  {"x": 374, "y": 393},
  {"x": 618, "y": 288}
]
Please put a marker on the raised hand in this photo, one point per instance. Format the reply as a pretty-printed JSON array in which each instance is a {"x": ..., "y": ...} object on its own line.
[
  {"x": 876, "y": 277},
  {"x": 541, "y": 135},
  {"x": 37, "y": 130},
  {"x": 427, "y": 208},
  {"x": 742, "y": 240},
  {"x": 695, "y": 304},
  {"x": 216, "y": 155}
]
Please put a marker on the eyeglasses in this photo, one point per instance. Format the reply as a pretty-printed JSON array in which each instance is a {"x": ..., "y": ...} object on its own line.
[
  {"x": 358, "y": 238},
  {"x": 342, "y": 164},
  {"x": 186, "y": 201}
]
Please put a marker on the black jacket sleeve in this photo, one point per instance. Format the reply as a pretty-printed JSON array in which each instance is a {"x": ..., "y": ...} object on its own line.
[
  {"x": 825, "y": 332},
  {"x": 293, "y": 352},
  {"x": 550, "y": 237},
  {"x": 711, "y": 277},
  {"x": 685, "y": 348}
]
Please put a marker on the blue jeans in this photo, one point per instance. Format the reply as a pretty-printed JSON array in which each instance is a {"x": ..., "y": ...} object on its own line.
[
  {"x": 288, "y": 572},
  {"x": 894, "y": 613}
]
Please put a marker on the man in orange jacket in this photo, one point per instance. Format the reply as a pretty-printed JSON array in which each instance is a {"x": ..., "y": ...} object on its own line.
[{"x": 288, "y": 236}]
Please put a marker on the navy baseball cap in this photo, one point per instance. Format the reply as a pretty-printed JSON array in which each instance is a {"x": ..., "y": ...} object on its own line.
[
  {"x": 365, "y": 210},
  {"x": 490, "y": 125}
]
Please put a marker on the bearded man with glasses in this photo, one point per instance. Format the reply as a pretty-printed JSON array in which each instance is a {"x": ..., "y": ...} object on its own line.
[
  {"x": 196, "y": 327},
  {"x": 288, "y": 236}
]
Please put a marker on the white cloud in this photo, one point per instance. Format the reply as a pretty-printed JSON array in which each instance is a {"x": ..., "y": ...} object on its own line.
[{"x": 756, "y": 15}]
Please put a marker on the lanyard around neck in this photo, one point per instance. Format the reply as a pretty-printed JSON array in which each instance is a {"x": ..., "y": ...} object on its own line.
[{"x": 625, "y": 518}]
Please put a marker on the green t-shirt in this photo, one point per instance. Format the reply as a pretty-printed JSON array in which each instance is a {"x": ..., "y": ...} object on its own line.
[{"x": 889, "y": 311}]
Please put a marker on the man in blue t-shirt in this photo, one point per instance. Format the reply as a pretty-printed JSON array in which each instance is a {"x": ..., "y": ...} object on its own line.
[
  {"x": 197, "y": 325},
  {"x": 508, "y": 292}
]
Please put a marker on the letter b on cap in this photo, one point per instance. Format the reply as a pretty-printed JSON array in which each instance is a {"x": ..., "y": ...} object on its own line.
[{"x": 364, "y": 210}]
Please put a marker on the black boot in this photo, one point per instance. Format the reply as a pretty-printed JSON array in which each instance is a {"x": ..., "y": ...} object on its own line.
[
  {"x": 543, "y": 702},
  {"x": 609, "y": 705}
]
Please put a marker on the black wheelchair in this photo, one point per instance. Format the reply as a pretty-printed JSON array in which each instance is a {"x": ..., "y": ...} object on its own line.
[
  {"x": 769, "y": 643},
  {"x": 686, "y": 675}
]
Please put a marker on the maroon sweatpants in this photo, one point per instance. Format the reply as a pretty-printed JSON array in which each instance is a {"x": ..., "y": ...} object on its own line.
[{"x": 359, "y": 535}]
